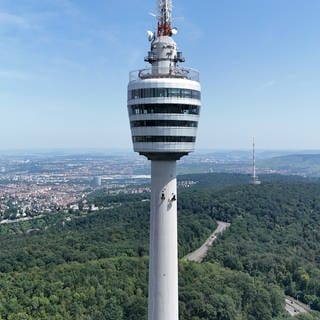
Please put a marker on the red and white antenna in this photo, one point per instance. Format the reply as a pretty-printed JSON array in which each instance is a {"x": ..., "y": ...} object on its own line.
[
  {"x": 164, "y": 18},
  {"x": 255, "y": 179}
]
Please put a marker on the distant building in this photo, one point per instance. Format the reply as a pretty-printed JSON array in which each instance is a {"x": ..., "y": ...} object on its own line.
[
  {"x": 74, "y": 207},
  {"x": 97, "y": 181}
]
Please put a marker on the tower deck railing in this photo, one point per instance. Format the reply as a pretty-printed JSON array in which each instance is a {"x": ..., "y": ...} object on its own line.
[{"x": 156, "y": 73}]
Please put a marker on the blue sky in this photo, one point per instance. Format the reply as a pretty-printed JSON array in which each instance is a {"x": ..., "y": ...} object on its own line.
[{"x": 64, "y": 69}]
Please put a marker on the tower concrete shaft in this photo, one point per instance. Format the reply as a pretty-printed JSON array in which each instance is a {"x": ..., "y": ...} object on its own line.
[{"x": 163, "y": 265}]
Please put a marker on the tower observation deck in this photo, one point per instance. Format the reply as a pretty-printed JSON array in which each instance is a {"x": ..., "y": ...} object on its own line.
[
  {"x": 164, "y": 100},
  {"x": 164, "y": 103}
]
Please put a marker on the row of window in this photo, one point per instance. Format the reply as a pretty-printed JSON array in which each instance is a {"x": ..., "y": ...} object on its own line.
[
  {"x": 164, "y": 123},
  {"x": 164, "y": 92},
  {"x": 164, "y": 108},
  {"x": 163, "y": 139}
]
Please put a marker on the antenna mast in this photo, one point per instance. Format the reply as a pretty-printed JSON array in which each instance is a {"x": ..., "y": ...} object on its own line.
[
  {"x": 255, "y": 179},
  {"x": 254, "y": 160},
  {"x": 164, "y": 18}
]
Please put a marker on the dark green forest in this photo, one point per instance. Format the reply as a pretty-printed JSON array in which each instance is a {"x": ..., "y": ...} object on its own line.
[{"x": 95, "y": 266}]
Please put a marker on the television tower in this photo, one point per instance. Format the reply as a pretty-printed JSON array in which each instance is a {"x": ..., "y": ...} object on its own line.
[
  {"x": 164, "y": 107},
  {"x": 255, "y": 179}
]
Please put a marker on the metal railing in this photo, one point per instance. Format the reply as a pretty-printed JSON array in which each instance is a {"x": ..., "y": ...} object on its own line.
[{"x": 180, "y": 73}]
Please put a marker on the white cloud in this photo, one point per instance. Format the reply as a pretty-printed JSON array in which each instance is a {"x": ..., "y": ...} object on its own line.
[
  {"x": 9, "y": 19},
  {"x": 32, "y": 15},
  {"x": 68, "y": 6},
  {"x": 69, "y": 64},
  {"x": 268, "y": 84},
  {"x": 14, "y": 75}
]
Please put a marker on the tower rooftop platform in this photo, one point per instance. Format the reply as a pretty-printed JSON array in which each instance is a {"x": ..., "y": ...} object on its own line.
[{"x": 174, "y": 73}]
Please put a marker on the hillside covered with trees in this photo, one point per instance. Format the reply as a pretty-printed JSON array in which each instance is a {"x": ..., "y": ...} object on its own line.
[{"x": 95, "y": 266}]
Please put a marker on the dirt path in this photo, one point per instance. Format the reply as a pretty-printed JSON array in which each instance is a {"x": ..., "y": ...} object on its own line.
[{"x": 200, "y": 254}]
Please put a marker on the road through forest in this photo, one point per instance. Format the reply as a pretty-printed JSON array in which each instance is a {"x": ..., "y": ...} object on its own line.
[{"x": 199, "y": 254}]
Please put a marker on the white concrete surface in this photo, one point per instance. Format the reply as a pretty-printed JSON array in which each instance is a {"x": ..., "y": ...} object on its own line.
[{"x": 163, "y": 269}]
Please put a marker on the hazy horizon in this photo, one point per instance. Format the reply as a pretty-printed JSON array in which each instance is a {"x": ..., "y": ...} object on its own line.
[{"x": 129, "y": 150}]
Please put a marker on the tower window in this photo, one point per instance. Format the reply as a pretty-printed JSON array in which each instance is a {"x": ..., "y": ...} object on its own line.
[
  {"x": 164, "y": 92},
  {"x": 164, "y": 123},
  {"x": 163, "y": 139},
  {"x": 164, "y": 108}
]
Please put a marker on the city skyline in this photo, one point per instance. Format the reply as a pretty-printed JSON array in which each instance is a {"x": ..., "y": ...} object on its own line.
[{"x": 64, "y": 70}]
